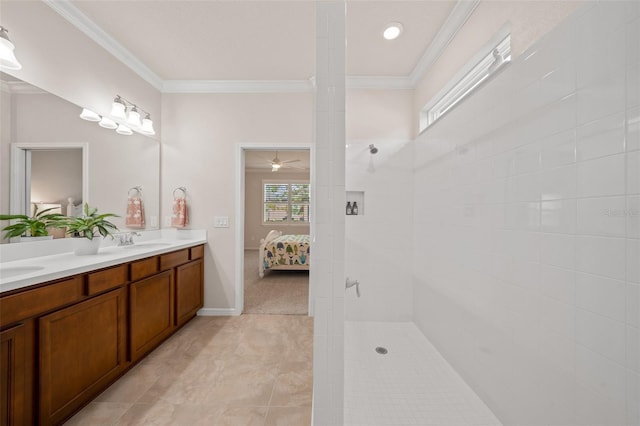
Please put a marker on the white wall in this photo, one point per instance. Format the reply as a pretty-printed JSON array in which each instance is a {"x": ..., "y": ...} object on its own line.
[
  {"x": 526, "y": 271},
  {"x": 378, "y": 243},
  {"x": 198, "y": 152},
  {"x": 254, "y": 229}
]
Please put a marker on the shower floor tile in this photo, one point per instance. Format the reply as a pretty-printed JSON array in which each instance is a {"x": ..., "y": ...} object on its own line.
[{"x": 410, "y": 385}]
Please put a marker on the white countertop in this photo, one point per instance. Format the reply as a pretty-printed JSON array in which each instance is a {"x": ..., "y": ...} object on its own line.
[{"x": 57, "y": 260}]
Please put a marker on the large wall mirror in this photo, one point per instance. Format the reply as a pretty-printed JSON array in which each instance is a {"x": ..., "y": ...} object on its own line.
[{"x": 49, "y": 155}]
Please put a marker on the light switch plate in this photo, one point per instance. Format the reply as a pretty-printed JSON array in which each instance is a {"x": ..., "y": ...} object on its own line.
[{"x": 221, "y": 222}]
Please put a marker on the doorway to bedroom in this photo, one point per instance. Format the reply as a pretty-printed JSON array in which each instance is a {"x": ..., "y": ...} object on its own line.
[{"x": 277, "y": 207}]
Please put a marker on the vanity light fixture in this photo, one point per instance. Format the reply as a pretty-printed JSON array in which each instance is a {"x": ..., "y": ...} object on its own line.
[
  {"x": 124, "y": 130},
  {"x": 128, "y": 116},
  {"x": 108, "y": 123},
  {"x": 134, "y": 117},
  {"x": 118, "y": 108},
  {"x": 147, "y": 126},
  {"x": 89, "y": 115},
  {"x": 8, "y": 59},
  {"x": 392, "y": 31},
  {"x": 123, "y": 109}
]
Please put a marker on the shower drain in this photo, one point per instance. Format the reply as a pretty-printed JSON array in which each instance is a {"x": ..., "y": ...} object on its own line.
[{"x": 381, "y": 350}]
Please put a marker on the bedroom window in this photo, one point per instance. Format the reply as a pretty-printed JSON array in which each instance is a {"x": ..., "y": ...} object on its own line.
[{"x": 285, "y": 202}]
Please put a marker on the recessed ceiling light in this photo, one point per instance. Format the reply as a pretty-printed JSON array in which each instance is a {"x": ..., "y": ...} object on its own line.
[{"x": 392, "y": 31}]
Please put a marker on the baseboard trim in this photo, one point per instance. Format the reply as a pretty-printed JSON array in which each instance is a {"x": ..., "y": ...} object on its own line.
[{"x": 220, "y": 312}]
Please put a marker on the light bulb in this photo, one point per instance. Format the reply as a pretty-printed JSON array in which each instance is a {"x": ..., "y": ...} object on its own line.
[
  {"x": 8, "y": 59},
  {"x": 108, "y": 123},
  {"x": 118, "y": 108},
  {"x": 124, "y": 130},
  {"x": 89, "y": 115},
  {"x": 134, "y": 118}
]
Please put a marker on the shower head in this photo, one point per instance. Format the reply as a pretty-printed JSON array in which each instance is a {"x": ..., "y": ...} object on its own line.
[{"x": 373, "y": 149}]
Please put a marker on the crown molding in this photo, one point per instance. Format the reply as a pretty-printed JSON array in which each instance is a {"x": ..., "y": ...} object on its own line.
[
  {"x": 237, "y": 86},
  {"x": 82, "y": 22},
  {"x": 380, "y": 83},
  {"x": 456, "y": 19}
]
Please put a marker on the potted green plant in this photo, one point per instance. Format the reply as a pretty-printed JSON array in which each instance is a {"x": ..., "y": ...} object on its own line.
[
  {"x": 30, "y": 228},
  {"x": 90, "y": 225}
]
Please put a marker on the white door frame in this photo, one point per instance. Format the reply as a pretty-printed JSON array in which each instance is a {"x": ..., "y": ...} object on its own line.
[{"x": 239, "y": 208}]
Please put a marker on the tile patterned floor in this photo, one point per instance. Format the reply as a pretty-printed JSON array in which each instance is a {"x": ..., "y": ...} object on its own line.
[
  {"x": 411, "y": 385},
  {"x": 246, "y": 370}
]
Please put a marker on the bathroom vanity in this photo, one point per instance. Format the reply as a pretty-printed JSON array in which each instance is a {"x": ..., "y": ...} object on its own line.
[{"x": 65, "y": 340}]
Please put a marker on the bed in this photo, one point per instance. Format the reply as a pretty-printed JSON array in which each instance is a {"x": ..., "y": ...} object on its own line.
[{"x": 288, "y": 252}]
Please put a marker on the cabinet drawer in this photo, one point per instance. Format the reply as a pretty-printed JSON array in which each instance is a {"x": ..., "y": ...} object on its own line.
[
  {"x": 170, "y": 260},
  {"x": 100, "y": 281},
  {"x": 197, "y": 252},
  {"x": 144, "y": 268},
  {"x": 32, "y": 302}
]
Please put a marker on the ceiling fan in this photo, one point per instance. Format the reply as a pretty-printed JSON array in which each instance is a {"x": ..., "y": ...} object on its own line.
[{"x": 277, "y": 163}]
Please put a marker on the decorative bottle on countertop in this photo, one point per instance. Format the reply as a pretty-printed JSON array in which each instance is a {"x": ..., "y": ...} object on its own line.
[
  {"x": 354, "y": 208},
  {"x": 349, "y": 208}
]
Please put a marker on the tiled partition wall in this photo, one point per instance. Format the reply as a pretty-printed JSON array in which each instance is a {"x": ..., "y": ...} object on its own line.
[
  {"x": 527, "y": 228},
  {"x": 327, "y": 232}
]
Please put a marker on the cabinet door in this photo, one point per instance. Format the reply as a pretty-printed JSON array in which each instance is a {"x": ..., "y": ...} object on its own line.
[
  {"x": 12, "y": 371},
  {"x": 151, "y": 304},
  {"x": 82, "y": 349},
  {"x": 189, "y": 290}
]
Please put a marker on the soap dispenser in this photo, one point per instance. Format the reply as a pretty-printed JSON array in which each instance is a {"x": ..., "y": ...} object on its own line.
[
  {"x": 354, "y": 208},
  {"x": 349, "y": 208}
]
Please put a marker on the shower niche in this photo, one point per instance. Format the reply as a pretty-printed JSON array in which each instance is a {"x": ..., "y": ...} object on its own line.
[{"x": 355, "y": 203}]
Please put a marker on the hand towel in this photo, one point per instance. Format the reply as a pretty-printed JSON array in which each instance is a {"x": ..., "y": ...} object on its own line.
[
  {"x": 179, "y": 219},
  {"x": 135, "y": 213}
]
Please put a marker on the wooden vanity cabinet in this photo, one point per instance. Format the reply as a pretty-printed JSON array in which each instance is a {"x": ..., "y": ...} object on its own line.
[
  {"x": 82, "y": 350},
  {"x": 189, "y": 290},
  {"x": 189, "y": 275},
  {"x": 64, "y": 342},
  {"x": 151, "y": 308},
  {"x": 12, "y": 379}
]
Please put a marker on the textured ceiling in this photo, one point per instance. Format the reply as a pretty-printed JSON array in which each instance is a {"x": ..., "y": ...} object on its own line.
[{"x": 263, "y": 40}]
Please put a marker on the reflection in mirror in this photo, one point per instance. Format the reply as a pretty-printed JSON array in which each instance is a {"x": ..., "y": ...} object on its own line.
[
  {"x": 48, "y": 186},
  {"x": 49, "y": 175},
  {"x": 44, "y": 131}
]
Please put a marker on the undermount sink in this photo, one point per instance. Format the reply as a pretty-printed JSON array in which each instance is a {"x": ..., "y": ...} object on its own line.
[
  {"x": 147, "y": 245},
  {"x": 12, "y": 271}
]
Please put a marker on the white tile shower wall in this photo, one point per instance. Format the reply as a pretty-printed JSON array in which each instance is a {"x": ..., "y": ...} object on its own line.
[
  {"x": 527, "y": 226},
  {"x": 327, "y": 232},
  {"x": 378, "y": 243}
]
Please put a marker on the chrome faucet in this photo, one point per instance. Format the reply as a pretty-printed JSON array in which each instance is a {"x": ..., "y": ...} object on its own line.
[
  {"x": 355, "y": 283},
  {"x": 126, "y": 238}
]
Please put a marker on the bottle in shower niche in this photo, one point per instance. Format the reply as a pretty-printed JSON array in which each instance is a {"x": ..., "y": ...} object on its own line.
[
  {"x": 349, "y": 208},
  {"x": 354, "y": 208}
]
